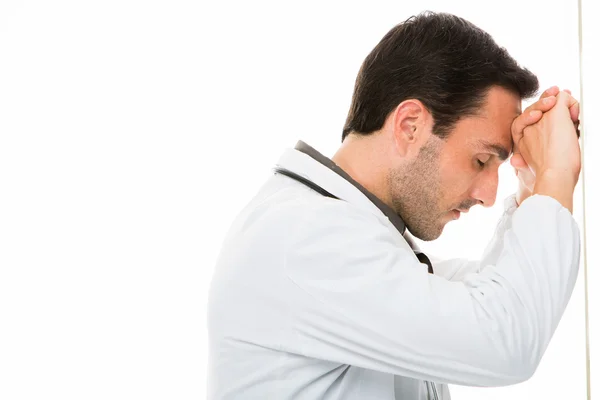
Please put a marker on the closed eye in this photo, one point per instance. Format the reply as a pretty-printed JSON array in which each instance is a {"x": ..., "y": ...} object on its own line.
[{"x": 482, "y": 160}]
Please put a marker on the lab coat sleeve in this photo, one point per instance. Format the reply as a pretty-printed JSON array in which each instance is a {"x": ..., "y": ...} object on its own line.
[
  {"x": 454, "y": 269},
  {"x": 457, "y": 269},
  {"x": 362, "y": 299}
]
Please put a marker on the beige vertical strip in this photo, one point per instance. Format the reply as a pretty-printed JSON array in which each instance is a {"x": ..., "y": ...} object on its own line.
[{"x": 584, "y": 242}]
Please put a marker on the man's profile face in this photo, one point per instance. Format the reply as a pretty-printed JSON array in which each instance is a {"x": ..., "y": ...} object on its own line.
[{"x": 458, "y": 172}]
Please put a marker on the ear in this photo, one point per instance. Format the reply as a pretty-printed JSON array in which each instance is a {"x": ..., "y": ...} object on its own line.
[{"x": 410, "y": 126}]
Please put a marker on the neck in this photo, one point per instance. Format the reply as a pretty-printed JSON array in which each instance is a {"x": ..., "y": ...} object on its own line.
[{"x": 364, "y": 159}]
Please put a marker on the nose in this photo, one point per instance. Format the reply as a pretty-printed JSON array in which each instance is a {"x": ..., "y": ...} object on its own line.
[{"x": 485, "y": 189}]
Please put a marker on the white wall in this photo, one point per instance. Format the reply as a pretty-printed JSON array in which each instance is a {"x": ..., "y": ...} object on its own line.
[{"x": 132, "y": 132}]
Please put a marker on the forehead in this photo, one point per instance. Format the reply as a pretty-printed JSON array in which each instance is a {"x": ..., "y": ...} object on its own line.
[{"x": 491, "y": 125}]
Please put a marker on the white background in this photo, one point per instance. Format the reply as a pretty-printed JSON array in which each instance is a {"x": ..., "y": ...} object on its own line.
[{"x": 132, "y": 132}]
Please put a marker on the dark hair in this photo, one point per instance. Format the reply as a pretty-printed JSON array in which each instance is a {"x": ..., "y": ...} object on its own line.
[{"x": 442, "y": 60}]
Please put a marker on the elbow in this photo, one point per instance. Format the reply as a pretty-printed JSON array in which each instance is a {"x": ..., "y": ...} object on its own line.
[
  {"x": 511, "y": 359},
  {"x": 506, "y": 373},
  {"x": 517, "y": 366},
  {"x": 521, "y": 373},
  {"x": 529, "y": 362}
]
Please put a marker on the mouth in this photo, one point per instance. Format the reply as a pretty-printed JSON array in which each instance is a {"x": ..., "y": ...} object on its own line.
[{"x": 456, "y": 213}]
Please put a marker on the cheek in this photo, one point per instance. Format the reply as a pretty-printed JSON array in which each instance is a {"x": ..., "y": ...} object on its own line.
[
  {"x": 456, "y": 180},
  {"x": 455, "y": 189}
]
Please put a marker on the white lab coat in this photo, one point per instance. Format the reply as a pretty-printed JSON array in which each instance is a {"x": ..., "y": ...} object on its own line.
[{"x": 318, "y": 298}]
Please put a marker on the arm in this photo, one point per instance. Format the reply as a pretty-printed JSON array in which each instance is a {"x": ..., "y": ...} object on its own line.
[
  {"x": 363, "y": 300},
  {"x": 549, "y": 183}
]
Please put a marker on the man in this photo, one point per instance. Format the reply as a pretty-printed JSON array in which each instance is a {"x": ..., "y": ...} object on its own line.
[{"x": 318, "y": 293}]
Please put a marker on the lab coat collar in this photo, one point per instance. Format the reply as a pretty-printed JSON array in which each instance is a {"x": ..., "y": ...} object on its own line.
[{"x": 309, "y": 163}]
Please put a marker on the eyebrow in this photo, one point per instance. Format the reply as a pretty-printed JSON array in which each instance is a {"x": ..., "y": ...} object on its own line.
[{"x": 496, "y": 148}]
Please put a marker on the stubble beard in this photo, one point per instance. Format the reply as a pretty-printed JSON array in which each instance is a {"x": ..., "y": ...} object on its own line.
[{"x": 415, "y": 193}]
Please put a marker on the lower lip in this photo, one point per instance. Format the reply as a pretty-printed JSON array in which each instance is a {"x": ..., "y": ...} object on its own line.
[{"x": 456, "y": 214}]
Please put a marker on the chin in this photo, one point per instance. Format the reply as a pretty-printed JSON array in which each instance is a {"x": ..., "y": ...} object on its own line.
[
  {"x": 428, "y": 229},
  {"x": 429, "y": 235}
]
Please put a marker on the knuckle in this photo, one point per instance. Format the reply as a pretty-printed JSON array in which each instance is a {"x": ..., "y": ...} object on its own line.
[{"x": 517, "y": 127}]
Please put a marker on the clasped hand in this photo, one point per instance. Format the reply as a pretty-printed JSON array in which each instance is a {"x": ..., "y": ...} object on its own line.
[{"x": 545, "y": 141}]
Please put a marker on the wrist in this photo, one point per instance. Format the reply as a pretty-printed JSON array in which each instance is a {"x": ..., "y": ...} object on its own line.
[
  {"x": 560, "y": 186},
  {"x": 557, "y": 177}
]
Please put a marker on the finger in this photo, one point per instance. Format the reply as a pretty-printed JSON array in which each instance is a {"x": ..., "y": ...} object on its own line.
[
  {"x": 522, "y": 121},
  {"x": 552, "y": 91},
  {"x": 574, "y": 111},
  {"x": 573, "y": 105},
  {"x": 533, "y": 113},
  {"x": 566, "y": 99},
  {"x": 545, "y": 103}
]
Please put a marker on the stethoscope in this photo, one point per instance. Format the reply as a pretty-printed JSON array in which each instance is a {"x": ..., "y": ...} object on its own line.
[{"x": 431, "y": 388}]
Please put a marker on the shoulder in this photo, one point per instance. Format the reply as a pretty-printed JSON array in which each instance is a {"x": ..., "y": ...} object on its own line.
[
  {"x": 326, "y": 216},
  {"x": 334, "y": 239}
]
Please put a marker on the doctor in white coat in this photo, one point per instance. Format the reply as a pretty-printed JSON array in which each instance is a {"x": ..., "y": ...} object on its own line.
[{"x": 319, "y": 293}]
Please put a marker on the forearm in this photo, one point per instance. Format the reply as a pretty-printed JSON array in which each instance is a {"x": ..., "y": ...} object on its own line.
[{"x": 496, "y": 324}]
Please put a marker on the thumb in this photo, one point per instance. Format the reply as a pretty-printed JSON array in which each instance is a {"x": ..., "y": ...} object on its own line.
[{"x": 517, "y": 161}]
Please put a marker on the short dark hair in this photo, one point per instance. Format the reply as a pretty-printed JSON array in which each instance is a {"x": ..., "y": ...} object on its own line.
[{"x": 445, "y": 61}]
